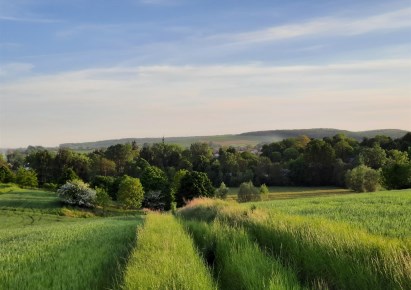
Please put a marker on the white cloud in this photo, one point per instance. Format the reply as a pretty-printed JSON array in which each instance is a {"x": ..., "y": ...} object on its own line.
[
  {"x": 13, "y": 69},
  {"x": 324, "y": 26},
  {"x": 143, "y": 101}
]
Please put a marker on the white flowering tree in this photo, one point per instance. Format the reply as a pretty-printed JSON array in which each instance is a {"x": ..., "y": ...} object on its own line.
[{"x": 76, "y": 192}]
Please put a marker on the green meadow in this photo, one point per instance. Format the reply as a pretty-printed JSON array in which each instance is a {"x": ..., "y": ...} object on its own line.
[{"x": 333, "y": 240}]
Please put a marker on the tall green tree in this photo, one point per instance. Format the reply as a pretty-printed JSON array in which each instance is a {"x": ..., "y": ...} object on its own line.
[
  {"x": 131, "y": 192},
  {"x": 194, "y": 184}
]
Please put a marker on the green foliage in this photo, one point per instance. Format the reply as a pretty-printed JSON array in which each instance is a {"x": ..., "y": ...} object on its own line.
[
  {"x": 248, "y": 192},
  {"x": 131, "y": 192},
  {"x": 102, "y": 197},
  {"x": 374, "y": 157},
  {"x": 363, "y": 179},
  {"x": 176, "y": 183},
  {"x": 291, "y": 153},
  {"x": 6, "y": 175},
  {"x": 222, "y": 191},
  {"x": 120, "y": 154},
  {"x": 68, "y": 174},
  {"x": 165, "y": 258},
  {"x": 76, "y": 192},
  {"x": 397, "y": 175},
  {"x": 154, "y": 178},
  {"x": 194, "y": 184},
  {"x": 50, "y": 186},
  {"x": 108, "y": 183},
  {"x": 26, "y": 177},
  {"x": 264, "y": 189}
]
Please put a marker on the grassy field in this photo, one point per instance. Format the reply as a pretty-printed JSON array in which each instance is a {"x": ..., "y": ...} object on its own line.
[
  {"x": 165, "y": 258},
  {"x": 335, "y": 240},
  {"x": 324, "y": 253},
  {"x": 41, "y": 249},
  {"x": 386, "y": 213},
  {"x": 231, "y": 253}
]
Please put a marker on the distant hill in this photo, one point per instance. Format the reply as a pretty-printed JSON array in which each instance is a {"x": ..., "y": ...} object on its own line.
[
  {"x": 326, "y": 132},
  {"x": 244, "y": 139}
]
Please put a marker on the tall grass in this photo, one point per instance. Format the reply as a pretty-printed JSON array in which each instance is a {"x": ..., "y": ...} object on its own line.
[
  {"x": 165, "y": 258},
  {"x": 237, "y": 261},
  {"x": 320, "y": 251},
  {"x": 385, "y": 213},
  {"x": 64, "y": 253}
]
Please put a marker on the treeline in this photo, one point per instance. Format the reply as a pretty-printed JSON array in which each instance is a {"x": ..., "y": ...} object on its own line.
[{"x": 293, "y": 161}]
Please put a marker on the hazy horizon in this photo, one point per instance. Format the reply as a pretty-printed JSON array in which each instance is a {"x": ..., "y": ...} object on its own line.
[{"x": 81, "y": 71}]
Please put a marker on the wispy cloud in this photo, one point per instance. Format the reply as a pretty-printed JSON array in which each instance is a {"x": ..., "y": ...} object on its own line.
[
  {"x": 28, "y": 19},
  {"x": 15, "y": 69},
  {"x": 323, "y": 26},
  {"x": 150, "y": 100}
]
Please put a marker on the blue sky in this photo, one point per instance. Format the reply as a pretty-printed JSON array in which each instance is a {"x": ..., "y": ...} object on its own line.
[{"x": 90, "y": 70}]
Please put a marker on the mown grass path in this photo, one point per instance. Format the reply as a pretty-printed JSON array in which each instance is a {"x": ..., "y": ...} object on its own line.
[{"x": 165, "y": 258}]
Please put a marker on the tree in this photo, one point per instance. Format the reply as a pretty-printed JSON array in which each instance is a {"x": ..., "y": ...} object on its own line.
[
  {"x": 363, "y": 179},
  {"x": 194, "y": 184},
  {"x": 76, "y": 192},
  {"x": 319, "y": 158},
  {"x": 6, "y": 175},
  {"x": 131, "y": 192},
  {"x": 16, "y": 159},
  {"x": 248, "y": 192},
  {"x": 176, "y": 184},
  {"x": 396, "y": 172},
  {"x": 102, "y": 197},
  {"x": 42, "y": 161},
  {"x": 153, "y": 178},
  {"x": 68, "y": 174},
  {"x": 373, "y": 157},
  {"x": 109, "y": 183},
  {"x": 222, "y": 191},
  {"x": 26, "y": 177},
  {"x": 120, "y": 154},
  {"x": 290, "y": 154}
]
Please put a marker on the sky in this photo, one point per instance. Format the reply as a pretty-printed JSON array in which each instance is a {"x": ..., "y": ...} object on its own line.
[{"x": 82, "y": 70}]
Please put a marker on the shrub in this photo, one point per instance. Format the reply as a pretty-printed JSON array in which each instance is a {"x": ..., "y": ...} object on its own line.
[
  {"x": 26, "y": 177},
  {"x": 397, "y": 171},
  {"x": 194, "y": 184},
  {"x": 102, "y": 197},
  {"x": 363, "y": 179},
  {"x": 131, "y": 192},
  {"x": 264, "y": 189},
  {"x": 222, "y": 191},
  {"x": 50, "y": 186},
  {"x": 76, "y": 192},
  {"x": 109, "y": 183},
  {"x": 248, "y": 192}
]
